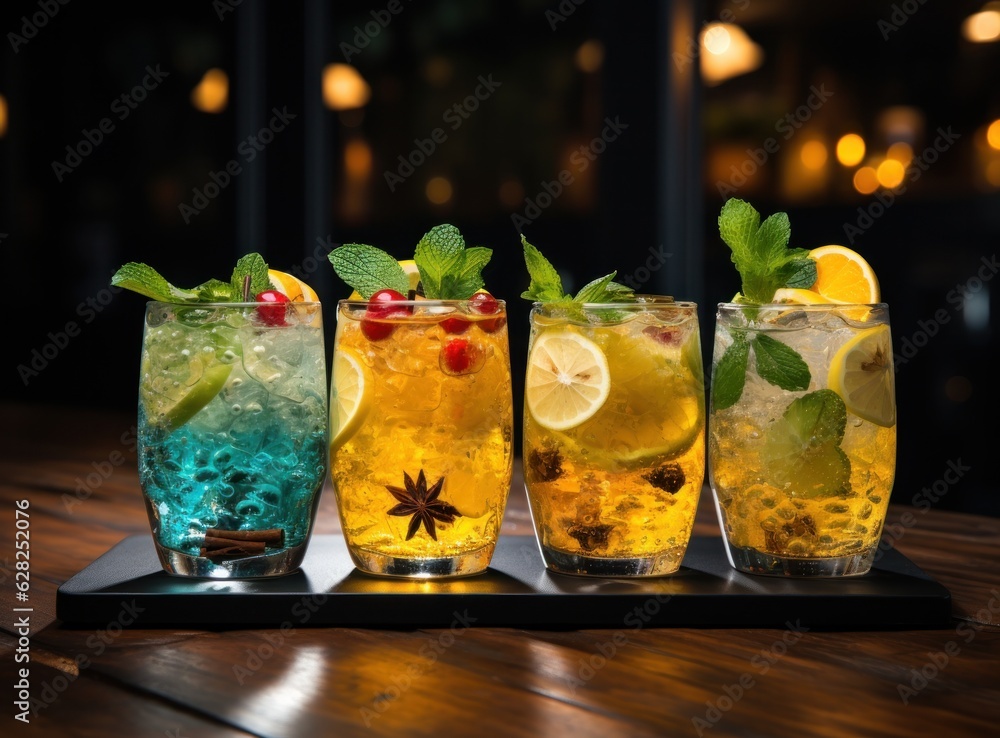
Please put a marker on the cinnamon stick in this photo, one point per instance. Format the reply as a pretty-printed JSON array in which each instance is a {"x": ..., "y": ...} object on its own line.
[
  {"x": 270, "y": 536},
  {"x": 211, "y": 543}
]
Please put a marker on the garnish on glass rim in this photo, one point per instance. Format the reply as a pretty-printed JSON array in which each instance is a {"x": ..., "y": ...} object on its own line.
[
  {"x": 449, "y": 270},
  {"x": 546, "y": 284},
  {"x": 766, "y": 264}
]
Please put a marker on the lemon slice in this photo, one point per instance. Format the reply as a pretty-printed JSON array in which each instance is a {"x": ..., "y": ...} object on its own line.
[
  {"x": 291, "y": 287},
  {"x": 350, "y": 402},
  {"x": 410, "y": 267},
  {"x": 171, "y": 401},
  {"x": 843, "y": 276},
  {"x": 567, "y": 380},
  {"x": 800, "y": 297},
  {"x": 861, "y": 372}
]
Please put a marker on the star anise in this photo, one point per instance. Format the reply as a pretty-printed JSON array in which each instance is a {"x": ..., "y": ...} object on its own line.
[
  {"x": 423, "y": 504},
  {"x": 591, "y": 536},
  {"x": 669, "y": 478}
]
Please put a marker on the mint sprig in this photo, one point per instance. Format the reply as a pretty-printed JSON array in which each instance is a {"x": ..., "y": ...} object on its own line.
[
  {"x": 761, "y": 253},
  {"x": 546, "y": 284},
  {"x": 368, "y": 269},
  {"x": 145, "y": 280},
  {"x": 449, "y": 270}
]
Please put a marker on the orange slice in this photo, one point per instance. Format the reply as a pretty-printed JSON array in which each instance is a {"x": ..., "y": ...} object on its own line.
[{"x": 842, "y": 276}]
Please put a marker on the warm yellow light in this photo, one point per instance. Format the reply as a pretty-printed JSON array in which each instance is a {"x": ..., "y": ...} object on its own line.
[
  {"x": 866, "y": 180},
  {"x": 890, "y": 173},
  {"x": 357, "y": 159},
  {"x": 3, "y": 116},
  {"x": 212, "y": 93},
  {"x": 850, "y": 149},
  {"x": 901, "y": 152},
  {"x": 982, "y": 27},
  {"x": 589, "y": 56},
  {"x": 993, "y": 173},
  {"x": 438, "y": 190},
  {"x": 717, "y": 39},
  {"x": 993, "y": 135},
  {"x": 813, "y": 154},
  {"x": 344, "y": 88},
  {"x": 727, "y": 52}
]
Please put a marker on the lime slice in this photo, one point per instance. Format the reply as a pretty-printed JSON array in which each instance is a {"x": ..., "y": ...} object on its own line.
[
  {"x": 567, "y": 380},
  {"x": 861, "y": 372},
  {"x": 350, "y": 402},
  {"x": 172, "y": 402},
  {"x": 801, "y": 451}
]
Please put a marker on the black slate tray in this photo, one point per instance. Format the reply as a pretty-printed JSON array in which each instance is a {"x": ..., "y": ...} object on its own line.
[{"x": 516, "y": 591}]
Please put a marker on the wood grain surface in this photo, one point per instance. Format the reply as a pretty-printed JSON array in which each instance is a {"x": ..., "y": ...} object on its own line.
[{"x": 77, "y": 469}]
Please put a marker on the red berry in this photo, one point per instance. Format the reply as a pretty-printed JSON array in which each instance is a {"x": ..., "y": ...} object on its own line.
[
  {"x": 455, "y": 326},
  {"x": 459, "y": 356},
  {"x": 484, "y": 303},
  {"x": 666, "y": 336},
  {"x": 274, "y": 313},
  {"x": 380, "y": 307}
]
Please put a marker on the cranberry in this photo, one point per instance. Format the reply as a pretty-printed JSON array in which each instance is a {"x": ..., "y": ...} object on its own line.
[
  {"x": 486, "y": 304},
  {"x": 666, "y": 336},
  {"x": 459, "y": 356},
  {"x": 455, "y": 326},
  {"x": 274, "y": 312},
  {"x": 380, "y": 307}
]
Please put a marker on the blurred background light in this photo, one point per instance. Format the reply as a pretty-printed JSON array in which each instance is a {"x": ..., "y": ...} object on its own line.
[
  {"x": 211, "y": 94},
  {"x": 850, "y": 149},
  {"x": 438, "y": 190},
  {"x": 901, "y": 152},
  {"x": 813, "y": 154},
  {"x": 866, "y": 180},
  {"x": 727, "y": 52},
  {"x": 3, "y": 116},
  {"x": 993, "y": 135},
  {"x": 890, "y": 174},
  {"x": 984, "y": 26},
  {"x": 589, "y": 56},
  {"x": 344, "y": 88}
]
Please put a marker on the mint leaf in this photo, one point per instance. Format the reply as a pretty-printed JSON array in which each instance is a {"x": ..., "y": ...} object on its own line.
[
  {"x": 603, "y": 289},
  {"x": 730, "y": 374},
  {"x": 215, "y": 290},
  {"x": 817, "y": 418},
  {"x": 546, "y": 284},
  {"x": 440, "y": 254},
  {"x": 254, "y": 266},
  {"x": 466, "y": 276},
  {"x": 760, "y": 251},
  {"x": 779, "y": 364},
  {"x": 147, "y": 281},
  {"x": 800, "y": 272},
  {"x": 368, "y": 269}
]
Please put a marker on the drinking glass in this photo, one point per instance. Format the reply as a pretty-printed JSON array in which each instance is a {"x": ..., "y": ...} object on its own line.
[
  {"x": 802, "y": 454},
  {"x": 421, "y": 449},
  {"x": 233, "y": 435},
  {"x": 614, "y": 474}
]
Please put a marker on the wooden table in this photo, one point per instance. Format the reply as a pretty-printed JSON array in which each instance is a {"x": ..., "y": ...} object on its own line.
[{"x": 77, "y": 469}]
